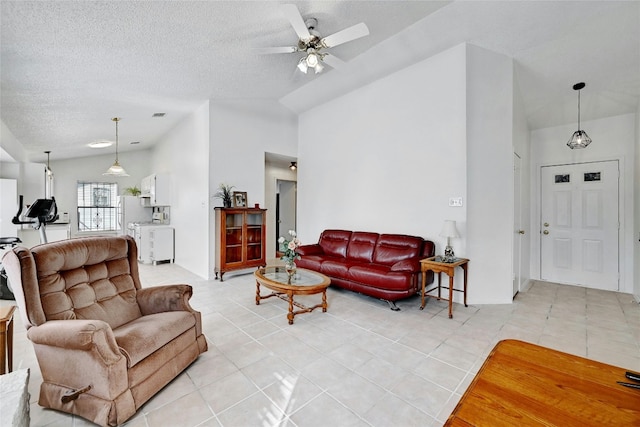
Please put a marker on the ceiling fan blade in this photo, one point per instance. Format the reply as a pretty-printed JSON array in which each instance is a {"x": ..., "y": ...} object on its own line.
[
  {"x": 292, "y": 13},
  {"x": 280, "y": 49},
  {"x": 333, "y": 61},
  {"x": 346, "y": 35}
]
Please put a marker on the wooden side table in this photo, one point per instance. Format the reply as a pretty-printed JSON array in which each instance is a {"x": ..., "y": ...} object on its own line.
[
  {"x": 6, "y": 339},
  {"x": 449, "y": 269},
  {"x": 524, "y": 384}
]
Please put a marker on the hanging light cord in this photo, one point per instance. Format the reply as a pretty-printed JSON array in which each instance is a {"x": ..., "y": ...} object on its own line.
[
  {"x": 117, "y": 120},
  {"x": 578, "y": 119}
]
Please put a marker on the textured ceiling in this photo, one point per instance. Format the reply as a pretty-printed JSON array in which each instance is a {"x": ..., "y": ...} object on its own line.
[{"x": 68, "y": 67}]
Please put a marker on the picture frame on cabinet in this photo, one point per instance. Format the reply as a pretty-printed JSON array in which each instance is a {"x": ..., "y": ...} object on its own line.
[{"x": 239, "y": 199}]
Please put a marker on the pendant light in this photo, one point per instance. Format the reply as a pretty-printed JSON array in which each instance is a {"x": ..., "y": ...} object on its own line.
[
  {"x": 48, "y": 178},
  {"x": 116, "y": 169},
  {"x": 48, "y": 169},
  {"x": 579, "y": 139}
]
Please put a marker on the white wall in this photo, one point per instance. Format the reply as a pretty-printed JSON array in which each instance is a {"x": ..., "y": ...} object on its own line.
[
  {"x": 522, "y": 147},
  {"x": 613, "y": 139},
  {"x": 387, "y": 157},
  {"x": 241, "y": 131},
  {"x": 183, "y": 153},
  {"x": 636, "y": 234},
  {"x": 489, "y": 176}
]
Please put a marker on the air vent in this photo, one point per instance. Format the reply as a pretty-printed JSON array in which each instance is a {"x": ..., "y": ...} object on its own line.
[{"x": 159, "y": 114}]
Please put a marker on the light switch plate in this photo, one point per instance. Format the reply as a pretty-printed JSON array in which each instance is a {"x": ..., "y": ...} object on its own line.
[{"x": 455, "y": 201}]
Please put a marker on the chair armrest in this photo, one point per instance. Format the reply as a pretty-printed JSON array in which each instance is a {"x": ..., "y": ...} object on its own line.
[
  {"x": 159, "y": 299},
  {"x": 314, "y": 249},
  {"x": 78, "y": 334},
  {"x": 406, "y": 265}
]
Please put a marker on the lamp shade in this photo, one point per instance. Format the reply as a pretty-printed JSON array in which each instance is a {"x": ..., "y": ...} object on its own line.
[
  {"x": 116, "y": 170},
  {"x": 579, "y": 139},
  {"x": 449, "y": 229}
]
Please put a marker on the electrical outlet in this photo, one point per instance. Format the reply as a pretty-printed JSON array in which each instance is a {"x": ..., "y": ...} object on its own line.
[{"x": 455, "y": 201}]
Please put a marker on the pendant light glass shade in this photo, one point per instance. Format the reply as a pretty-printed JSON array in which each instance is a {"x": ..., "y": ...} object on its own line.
[
  {"x": 116, "y": 169},
  {"x": 579, "y": 139}
]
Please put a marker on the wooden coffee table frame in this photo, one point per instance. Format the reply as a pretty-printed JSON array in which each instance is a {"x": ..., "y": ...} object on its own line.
[{"x": 286, "y": 291}]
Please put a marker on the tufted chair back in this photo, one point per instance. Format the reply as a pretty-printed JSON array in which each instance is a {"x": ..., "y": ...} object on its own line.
[
  {"x": 105, "y": 345},
  {"x": 83, "y": 280}
]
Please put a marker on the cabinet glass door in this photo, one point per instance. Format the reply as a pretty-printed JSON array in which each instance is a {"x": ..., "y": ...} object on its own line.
[
  {"x": 254, "y": 236},
  {"x": 233, "y": 238}
]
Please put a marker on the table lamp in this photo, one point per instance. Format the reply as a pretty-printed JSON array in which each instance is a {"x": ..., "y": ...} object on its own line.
[{"x": 449, "y": 230}]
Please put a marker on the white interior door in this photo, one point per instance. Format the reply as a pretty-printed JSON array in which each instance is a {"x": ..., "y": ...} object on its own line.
[
  {"x": 579, "y": 224},
  {"x": 517, "y": 225}
]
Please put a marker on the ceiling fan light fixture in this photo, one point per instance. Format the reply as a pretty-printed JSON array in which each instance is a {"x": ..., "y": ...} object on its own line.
[
  {"x": 318, "y": 68},
  {"x": 302, "y": 65},
  {"x": 579, "y": 139},
  {"x": 312, "y": 58},
  {"x": 116, "y": 169}
]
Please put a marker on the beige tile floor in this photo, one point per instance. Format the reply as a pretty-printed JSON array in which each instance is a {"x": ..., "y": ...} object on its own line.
[{"x": 359, "y": 364}]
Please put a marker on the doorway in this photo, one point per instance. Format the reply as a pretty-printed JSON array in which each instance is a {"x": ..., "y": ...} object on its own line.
[
  {"x": 579, "y": 224},
  {"x": 285, "y": 208}
]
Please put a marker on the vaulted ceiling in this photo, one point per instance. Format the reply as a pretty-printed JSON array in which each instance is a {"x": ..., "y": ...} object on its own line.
[{"x": 68, "y": 67}]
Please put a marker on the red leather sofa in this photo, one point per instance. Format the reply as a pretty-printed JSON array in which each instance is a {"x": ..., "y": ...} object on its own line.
[{"x": 385, "y": 266}]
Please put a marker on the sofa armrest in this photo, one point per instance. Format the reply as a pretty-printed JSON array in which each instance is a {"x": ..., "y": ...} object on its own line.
[
  {"x": 428, "y": 249},
  {"x": 78, "y": 334},
  {"x": 159, "y": 299},
  {"x": 406, "y": 265},
  {"x": 306, "y": 250}
]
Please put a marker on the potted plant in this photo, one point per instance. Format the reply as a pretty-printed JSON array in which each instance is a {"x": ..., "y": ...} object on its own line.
[
  {"x": 132, "y": 191},
  {"x": 224, "y": 193}
]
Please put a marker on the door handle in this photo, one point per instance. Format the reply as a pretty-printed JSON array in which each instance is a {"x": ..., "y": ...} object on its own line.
[
  {"x": 520, "y": 231},
  {"x": 545, "y": 232}
]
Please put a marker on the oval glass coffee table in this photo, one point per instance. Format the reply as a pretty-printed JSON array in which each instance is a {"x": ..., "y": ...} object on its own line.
[{"x": 303, "y": 282}]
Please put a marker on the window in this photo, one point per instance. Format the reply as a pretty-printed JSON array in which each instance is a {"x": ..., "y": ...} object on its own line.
[
  {"x": 591, "y": 176},
  {"x": 97, "y": 206}
]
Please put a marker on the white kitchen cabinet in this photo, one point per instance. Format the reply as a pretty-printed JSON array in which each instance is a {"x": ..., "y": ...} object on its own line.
[
  {"x": 156, "y": 190},
  {"x": 155, "y": 243}
]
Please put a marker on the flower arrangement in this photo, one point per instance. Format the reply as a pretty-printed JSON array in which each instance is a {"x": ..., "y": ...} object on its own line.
[
  {"x": 288, "y": 247},
  {"x": 224, "y": 193}
]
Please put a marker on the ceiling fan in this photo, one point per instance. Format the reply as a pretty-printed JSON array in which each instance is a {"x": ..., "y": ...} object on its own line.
[{"x": 312, "y": 43}]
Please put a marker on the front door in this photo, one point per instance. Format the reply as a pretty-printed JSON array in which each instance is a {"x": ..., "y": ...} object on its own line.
[{"x": 579, "y": 224}]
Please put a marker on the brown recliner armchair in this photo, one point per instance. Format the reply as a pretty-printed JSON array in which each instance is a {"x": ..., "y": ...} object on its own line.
[{"x": 104, "y": 345}]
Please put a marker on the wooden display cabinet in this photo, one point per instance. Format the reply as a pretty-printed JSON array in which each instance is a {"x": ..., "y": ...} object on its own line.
[{"x": 240, "y": 239}]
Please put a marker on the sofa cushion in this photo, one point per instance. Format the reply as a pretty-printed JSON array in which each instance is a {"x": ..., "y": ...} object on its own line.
[
  {"x": 311, "y": 262},
  {"x": 335, "y": 242},
  {"x": 143, "y": 336},
  {"x": 361, "y": 246},
  {"x": 338, "y": 268},
  {"x": 392, "y": 248},
  {"x": 379, "y": 276}
]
